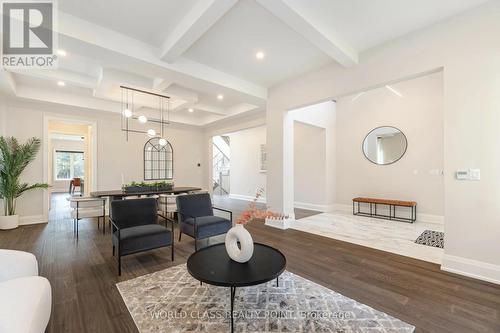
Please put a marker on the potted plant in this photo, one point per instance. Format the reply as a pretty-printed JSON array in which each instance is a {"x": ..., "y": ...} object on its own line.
[
  {"x": 14, "y": 158},
  {"x": 239, "y": 242}
]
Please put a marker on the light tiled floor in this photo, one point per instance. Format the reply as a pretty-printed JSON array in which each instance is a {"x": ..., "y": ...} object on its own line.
[{"x": 391, "y": 236}]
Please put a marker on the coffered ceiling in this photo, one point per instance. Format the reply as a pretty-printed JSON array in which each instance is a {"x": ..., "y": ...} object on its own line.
[{"x": 195, "y": 50}]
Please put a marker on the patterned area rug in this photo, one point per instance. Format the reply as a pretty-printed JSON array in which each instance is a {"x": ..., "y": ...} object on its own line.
[
  {"x": 172, "y": 301},
  {"x": 431, "y": 238}
]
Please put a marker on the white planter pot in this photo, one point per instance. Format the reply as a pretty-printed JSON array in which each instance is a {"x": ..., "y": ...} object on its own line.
[
  {"x": 244, "y": 252},
  {"x": 9, "y": 222}
]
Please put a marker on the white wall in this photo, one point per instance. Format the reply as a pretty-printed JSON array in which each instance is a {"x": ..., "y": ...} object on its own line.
[
  {"x": 312, "y": 144},
  {"x": 310, "y": 188},
  {"x": 419, "y": 115},
  {"x": 71, "y": 145},
  {"x": 24, "y": 125},
  {"x": 24, "y": 119},
  {"x": 467, "y": 48},
  {"x": 246, "y": 177}
]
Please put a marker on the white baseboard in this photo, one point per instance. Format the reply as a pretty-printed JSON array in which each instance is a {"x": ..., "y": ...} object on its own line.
[
  {"x": 429, "y": 218},
  {"x": 32, "y": 219},
  {"x": 471, "y": 268},
  {"x": 246, "y": 198},
  {"x": 426, "y": 218},
  {"x": 341, "y": 207},
  {"x": 310, "y": 206}
]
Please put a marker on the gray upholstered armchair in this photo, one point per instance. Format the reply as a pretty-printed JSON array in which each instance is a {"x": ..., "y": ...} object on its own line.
[
  {"x": 196, "y": 217},
  {"x": 136, "y": 228}
]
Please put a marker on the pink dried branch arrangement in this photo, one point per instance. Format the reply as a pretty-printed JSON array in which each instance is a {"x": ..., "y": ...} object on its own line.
[{"x": 252, "y": 212}]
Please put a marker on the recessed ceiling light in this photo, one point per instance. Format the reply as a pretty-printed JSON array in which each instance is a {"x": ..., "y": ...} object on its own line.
[
  {"x": 61, "y": 52},
  {"x": 190, "y": 110},
  {"x": 260, "y": 55},
  {"x": 151, "y": 132},
  {"x": 220, "y": 97},
  {"x": 142, "y": 119},
  {"x": 61, "y": 83}
]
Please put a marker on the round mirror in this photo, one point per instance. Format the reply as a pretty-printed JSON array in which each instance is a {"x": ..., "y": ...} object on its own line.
[{"x": 385, "y": 145}]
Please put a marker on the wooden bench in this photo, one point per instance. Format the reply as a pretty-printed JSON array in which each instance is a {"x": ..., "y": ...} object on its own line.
[{"x": 373, "y": 202}]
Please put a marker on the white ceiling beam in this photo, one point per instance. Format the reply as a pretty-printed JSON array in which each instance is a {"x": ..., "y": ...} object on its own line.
[
  {"x": 69, "y": 77},
  {"x": 124, "y": 52},
  {"x": 60, "y": 97},
  {"x": 182, "y": 93},
  {"x": 110, "y": 80},
  {"x": 240, "y": 108},
  {"x": 7, "y": 82},
  {"x": 327, "y": 41},
  {"x": 196, "y": 22},
  {"x": 208, "y": 108},
  {"x": 160, "y": 84}
]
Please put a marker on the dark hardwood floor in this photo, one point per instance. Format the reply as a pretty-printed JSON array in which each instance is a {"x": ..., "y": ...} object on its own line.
[{"x": 83, "y": 275}]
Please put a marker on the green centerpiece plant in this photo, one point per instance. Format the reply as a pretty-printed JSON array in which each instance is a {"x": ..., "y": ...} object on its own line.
[{"x": 135, "y": 187}]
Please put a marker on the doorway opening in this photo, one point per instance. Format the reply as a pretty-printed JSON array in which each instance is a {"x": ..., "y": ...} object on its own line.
[
  {"x": 221, "y": 164},
  {"x": 239, "y": 164},
  {"x": 70, "y": 157}
]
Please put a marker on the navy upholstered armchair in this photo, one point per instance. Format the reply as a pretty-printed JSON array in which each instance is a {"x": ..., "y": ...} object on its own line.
[
  {"x": 196, "y": 217},
  {"x": 136, "y": 228}
]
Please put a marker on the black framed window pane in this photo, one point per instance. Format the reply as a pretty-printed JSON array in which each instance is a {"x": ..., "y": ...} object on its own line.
[{"x": 158, "y": 160}]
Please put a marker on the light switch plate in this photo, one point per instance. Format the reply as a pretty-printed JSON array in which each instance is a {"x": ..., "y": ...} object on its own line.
[
  {"x": 475, "y": 174},
  {"x": 462, "y": 174}
]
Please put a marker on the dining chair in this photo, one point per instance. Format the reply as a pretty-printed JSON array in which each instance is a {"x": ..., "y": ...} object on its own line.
[
  {"x": 196, "y": 217},
  {"x": 87, "y": 207},
  {"x": 74, "y": 183},
  {"x": 135, "y": 228},
  {"x": 167, "y": 205}
]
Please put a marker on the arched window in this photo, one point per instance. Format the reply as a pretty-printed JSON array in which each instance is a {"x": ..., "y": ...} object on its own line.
[{"x": 158, "y": 160}]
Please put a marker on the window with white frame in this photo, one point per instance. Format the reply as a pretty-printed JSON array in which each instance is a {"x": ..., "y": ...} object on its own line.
[{"x": 68, "y": 165}]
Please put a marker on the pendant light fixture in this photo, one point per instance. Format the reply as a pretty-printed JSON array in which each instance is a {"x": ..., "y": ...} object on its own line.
[{"x": 131, "y": 117}]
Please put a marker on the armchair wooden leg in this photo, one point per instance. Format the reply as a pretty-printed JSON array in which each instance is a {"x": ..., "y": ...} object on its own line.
[
  {"x": 180, "y": 235},
  {"x": 119, "y": 264},
  {"x": 113, "y": 250},
  {"x": 172, "y": 252},
  {"x": 98, "y": 222}
]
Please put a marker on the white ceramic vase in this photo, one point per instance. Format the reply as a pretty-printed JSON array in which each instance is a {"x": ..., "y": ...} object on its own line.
[
  {"x": 9, "y": 222},
  {"x": 241, "y": 253}
]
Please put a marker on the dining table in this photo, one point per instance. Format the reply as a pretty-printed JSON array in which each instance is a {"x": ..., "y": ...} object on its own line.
[{"x": 121, "y": 194}]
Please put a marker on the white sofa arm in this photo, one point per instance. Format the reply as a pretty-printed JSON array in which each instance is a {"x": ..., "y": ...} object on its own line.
[
  {"x": 15, "y": 264},
  {"x": 25, "y": 305}
]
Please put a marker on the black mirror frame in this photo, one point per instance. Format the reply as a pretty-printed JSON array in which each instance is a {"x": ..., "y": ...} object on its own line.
[{"x": 376, "y": 128}]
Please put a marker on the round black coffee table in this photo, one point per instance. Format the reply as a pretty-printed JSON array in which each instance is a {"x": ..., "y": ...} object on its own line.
[{"x": 212, "y": 265}]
